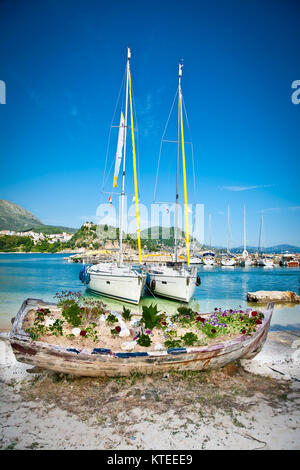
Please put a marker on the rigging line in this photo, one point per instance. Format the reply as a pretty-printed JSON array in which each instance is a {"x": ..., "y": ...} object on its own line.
[
  {"x": 138, "y": 145},
  {"x": 104, "y": 179},
  {"x": 192, "y": 147},
  {"x": 156, "y": 180}
]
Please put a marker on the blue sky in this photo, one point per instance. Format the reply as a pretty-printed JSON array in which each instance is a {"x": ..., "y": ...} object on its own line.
[{"x": 63, "y": 63}]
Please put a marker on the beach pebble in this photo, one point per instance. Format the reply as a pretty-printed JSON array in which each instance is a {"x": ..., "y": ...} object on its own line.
[
  {"x": 128, "y": 346},
  {"x": 102, "y": 317},
  {"x": 49, "y": 321},
  {"x": 76, "y": 331},
  {"x": 296, "y": 344},
  {"x": 135, "y": 321},
  {"x": 159, "y": 347}
]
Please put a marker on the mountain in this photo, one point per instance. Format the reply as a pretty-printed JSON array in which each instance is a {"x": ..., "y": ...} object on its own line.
[
  {"x": 277, "y": 249},
  {"x": 14, "y": 217}
]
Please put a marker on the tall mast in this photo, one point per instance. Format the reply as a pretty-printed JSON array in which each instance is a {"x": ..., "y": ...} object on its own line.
[
  {"x": 244, "y": 228},
  {"x": 245, "y": 252},
  {"x": 124, "y": 162},
  {"x": 228, "y": 229},
  {"x": 260, "y": 233},
  {"x": 209, "y": 231},
  {"x": 177, "y": 165}
]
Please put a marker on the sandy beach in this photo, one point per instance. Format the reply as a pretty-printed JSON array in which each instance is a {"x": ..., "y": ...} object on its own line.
[{"x": 250, "y": 405}]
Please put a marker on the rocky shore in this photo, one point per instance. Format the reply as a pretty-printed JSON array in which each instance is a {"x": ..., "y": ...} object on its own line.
[{"x": 247, "y": 405}]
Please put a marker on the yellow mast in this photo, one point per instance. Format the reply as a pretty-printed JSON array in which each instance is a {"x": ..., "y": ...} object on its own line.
[
  {"x": 184, "y": 176},
  {"x": 135, "y": 176}
]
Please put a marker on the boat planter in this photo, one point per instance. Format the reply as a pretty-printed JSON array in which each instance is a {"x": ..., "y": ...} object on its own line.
[{"x": 105, "y": 362}]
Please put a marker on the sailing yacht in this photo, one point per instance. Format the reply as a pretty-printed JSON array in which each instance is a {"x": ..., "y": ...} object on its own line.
[
  {"x": 117, "y": 280},
  {"x": 246, "y": 261},
  {"x": 209, "y": 256},
  {"x": 228, "y": 259},
  {"x": 176, "y": 280},
  {"x": 263, "y": 260}
]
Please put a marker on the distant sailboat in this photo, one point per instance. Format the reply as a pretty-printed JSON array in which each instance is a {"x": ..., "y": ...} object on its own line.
[
  {"x": 209, "y": 256},
  {"x": 228, "y": 259},
  {"x": 117, "y": 280},
  {"x": 176, "y": 281},
  {"x": 246, "y": 261},
  {"x": 263, "y": 260}
]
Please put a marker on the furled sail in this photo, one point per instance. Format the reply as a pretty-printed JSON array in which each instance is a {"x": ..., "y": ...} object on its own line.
[{"x": 119, "y": 149}]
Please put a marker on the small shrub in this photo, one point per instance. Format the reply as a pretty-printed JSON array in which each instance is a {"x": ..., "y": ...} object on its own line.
[
  {"x": 126, "y": 315},
  {"x": 173, "y": 343},
  {"x": 56, "y": 327},
  {"x": 150, "y": 317},
  {"x": 72, "y": 313},
  {"x": 190, "y": 338},
  {"x": 144, "y": 340},
  {"x": 91, "y": 332},
  {"x": 111, "y": 319}
]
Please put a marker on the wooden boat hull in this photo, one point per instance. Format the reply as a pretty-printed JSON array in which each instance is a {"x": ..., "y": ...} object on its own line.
[{"x": 83, "y": 363}]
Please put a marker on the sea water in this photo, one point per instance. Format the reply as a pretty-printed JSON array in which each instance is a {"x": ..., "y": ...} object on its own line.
[{"x": 41, "y": 276}]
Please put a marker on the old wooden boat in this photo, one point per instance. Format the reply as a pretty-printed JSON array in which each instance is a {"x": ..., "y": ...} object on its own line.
[{"x": 105, "y": 362}]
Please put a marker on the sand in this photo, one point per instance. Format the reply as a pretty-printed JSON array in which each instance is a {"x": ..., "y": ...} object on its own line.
[{"x": 251, "y": 405}]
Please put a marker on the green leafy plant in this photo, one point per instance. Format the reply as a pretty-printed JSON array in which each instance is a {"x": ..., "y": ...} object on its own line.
[
  {"x": 38, "y": 329},
  {"x": 144, "y": 340},
  {"x": 72, "y": 313},
  {"x": 173, "y": 343},
  {"x": 190, "y": 338},
  {"x": 56, "y": 327},
  {"x": 113, "y": 332},
  {"x": 111, "y": 319},
  {"x": 91, "y": 332},
  {"x": 150, "y": 317},
  {"x": 126, "y": 315}
]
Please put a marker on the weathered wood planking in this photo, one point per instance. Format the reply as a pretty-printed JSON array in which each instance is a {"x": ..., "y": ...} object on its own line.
[{"x": 59, "y": 359}]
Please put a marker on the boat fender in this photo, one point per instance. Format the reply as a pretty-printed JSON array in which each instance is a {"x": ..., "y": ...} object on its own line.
[
  {"x": 82, "y": 275},
  {"x": 87, "y": 278},
  {"x": 152, "y": 285},
  {"x": 198, "y": 281},
  {"x": 187, "y": 281}
]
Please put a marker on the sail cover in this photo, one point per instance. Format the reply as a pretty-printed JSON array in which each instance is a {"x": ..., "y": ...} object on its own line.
[{"x": 119, "y": 149}]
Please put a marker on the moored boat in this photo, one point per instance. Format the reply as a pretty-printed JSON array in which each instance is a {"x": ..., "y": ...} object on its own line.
[
  {"x": 289, "y": 261},
  {"x": 228, "y": 259},
  {"x": 173, "y": 282},
  {"x": 208, "y": 258},
  {"x": 119, "y": 281},
  {"x": 100, "y": 362}
]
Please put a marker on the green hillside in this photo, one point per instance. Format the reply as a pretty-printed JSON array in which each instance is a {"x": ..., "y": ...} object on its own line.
[{"x": 14, "y": 217}]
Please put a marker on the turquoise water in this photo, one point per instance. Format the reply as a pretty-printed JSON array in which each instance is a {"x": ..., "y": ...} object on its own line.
[{"x": 42, "y": 275}]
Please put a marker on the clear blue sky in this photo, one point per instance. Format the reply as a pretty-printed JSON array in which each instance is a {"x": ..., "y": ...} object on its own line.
[{"x": 63, "y": 62}]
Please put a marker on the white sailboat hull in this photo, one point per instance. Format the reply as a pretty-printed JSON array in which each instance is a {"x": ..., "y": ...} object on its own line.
[
  {"x": 127, "y": 287},
  {"x": 195, "y": 260},
  {"x": 177, "y": 287},
  {"x": 266, "y": 262},
  {"x": 227, "y": 262},
  {"x": 246, "y": 262},
  {"x": 208, "y": 261}
]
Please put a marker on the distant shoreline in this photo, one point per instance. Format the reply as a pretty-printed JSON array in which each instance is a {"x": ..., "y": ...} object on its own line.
[{"x": 38, "y": 252}]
